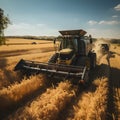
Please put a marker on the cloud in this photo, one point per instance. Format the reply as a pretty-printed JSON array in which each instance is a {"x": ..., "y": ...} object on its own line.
[
  {"x": 114, "y": 16},
  {"x": 103, "y": 22},
  {"x": 112, "y": 22},
  {"x": 40, "y": 25},
  {"x": 104, "y": 33},
  {"x": 92, "y": 22},
  {"x": 20, "y": 26},
  {"x": 117, "y": 8},
  {"x": 30, "y": 29}
]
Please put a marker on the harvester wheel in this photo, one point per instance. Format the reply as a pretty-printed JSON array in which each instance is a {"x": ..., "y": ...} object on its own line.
[
  {"x": 92, "y": 60},
  {"x": 53, "y": 59}
]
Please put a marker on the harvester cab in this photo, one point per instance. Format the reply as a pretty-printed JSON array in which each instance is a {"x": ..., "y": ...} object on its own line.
[
  {"x": 73, "y": 59},
  {"x": 73, "y": 43}
]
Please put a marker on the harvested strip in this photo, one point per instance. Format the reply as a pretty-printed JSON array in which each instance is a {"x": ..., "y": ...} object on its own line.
[
  {"x": 48, "y": 105},
  {"x": 114, "y": 112},
  {"x": 92, "y": 106},
  {"x": 98, "y": 103},
  {"x": 11, "y": 96}
]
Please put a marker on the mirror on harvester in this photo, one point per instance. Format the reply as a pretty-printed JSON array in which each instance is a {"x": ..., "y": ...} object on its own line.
[
  {"x": 90, "y": 39},
  {"x": 54, "y": 41}
]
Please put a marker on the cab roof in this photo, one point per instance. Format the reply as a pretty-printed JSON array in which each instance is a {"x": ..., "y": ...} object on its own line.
[{"x": 73, "y": 32}]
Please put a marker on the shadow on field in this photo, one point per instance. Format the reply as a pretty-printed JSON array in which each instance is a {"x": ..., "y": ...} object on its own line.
[
  {"x": 8, "y": 106},
  {"x": 115, "y": 76},
  {"x": 115, "y": 86},
  {"x": 113, "y": 53},
  {"x": 25, "y": 52},
  {"x": 8, "y": 76},
  {"x": 114, "y": 83},
  {"x": 12, "y": 53},
  {"x": 99, "y": 72},
  {"x": 3, "y": 63},
  {"x": 114, "y": 72}
]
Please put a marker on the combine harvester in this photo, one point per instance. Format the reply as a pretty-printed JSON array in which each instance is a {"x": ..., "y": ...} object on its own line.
[{"x": 73, "y": 59}]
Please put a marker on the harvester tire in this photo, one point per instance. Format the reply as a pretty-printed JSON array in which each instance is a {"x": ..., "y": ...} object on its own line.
[{"x": 92, "y": 60}]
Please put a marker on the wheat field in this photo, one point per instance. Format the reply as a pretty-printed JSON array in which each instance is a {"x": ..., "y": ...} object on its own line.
[{"x": 36, "y": 98}]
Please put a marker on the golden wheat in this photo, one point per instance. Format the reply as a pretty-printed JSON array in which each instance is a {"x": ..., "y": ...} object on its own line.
[
  {"x": 47, "y": 106},
  {"x": 91, "y": 104},
  {"x": 17, "y": 47},
  {"x": 16, "y": 92},
  {"x": 25, "y": 41}
]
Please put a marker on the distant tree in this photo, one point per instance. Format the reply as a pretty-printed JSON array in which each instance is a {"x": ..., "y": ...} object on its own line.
[{"x": 4, "y": 21}]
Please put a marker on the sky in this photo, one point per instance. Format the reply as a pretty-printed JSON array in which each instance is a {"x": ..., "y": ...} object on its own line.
[{"x": 100, "y": 18}]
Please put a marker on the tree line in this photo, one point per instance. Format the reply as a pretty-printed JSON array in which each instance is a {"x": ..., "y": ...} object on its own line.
[{"x": 4, "y": 21}]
